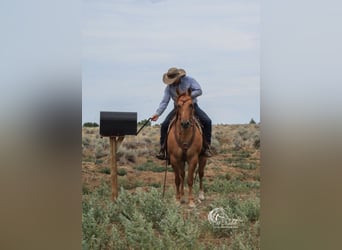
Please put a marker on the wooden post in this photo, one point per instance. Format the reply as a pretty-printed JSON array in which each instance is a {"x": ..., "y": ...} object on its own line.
[
  {"x": 113, "y": 171},
  {"x": 115, "y": 143}
]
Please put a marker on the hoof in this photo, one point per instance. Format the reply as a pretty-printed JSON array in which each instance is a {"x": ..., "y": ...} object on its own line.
[
  {"x": 192, "y": 204},
  {"x": 201, "y": 196}
]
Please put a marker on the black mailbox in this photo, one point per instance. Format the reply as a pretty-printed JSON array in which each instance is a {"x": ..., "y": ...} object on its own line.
[{"x": 118, "y": 123}]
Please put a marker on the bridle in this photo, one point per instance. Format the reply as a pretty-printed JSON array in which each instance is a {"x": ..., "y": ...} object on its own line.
[
  {"x": 187, "y": 123},
  {"x": 184, "y": 145}
]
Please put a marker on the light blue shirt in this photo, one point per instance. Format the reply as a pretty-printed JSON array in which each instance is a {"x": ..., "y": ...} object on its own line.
[{"x": 170, "y": 92}]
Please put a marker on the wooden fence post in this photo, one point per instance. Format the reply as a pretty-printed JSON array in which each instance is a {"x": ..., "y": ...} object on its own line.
[{"x": 115, "y": 143}]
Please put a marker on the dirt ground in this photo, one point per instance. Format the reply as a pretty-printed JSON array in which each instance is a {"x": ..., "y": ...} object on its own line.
[{"x": 95, "y": 170}]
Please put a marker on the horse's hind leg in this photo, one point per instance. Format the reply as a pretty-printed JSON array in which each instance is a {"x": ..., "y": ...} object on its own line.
[{"x": 201, "y": 165}]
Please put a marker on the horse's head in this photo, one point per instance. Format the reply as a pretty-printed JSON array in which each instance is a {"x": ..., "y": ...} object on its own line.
[{"x": 185, "y": 108}]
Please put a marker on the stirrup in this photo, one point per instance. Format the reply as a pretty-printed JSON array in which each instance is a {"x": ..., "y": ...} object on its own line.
[
  {"x": 206, "y": 152},
  {"x": 161, "y": 155}
]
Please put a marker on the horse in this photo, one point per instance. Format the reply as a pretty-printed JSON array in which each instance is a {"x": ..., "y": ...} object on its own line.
[{"x": 184, "y": 144}]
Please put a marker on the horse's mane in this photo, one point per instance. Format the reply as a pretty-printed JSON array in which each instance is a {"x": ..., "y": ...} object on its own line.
[{"x": 184, "y": 95}]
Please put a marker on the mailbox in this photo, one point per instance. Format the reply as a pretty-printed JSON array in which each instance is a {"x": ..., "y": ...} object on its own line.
[{"x": 118, "y": 123}]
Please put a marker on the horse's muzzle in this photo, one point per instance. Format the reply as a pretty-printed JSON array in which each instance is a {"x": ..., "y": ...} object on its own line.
[{"x": 185, "y": 124}]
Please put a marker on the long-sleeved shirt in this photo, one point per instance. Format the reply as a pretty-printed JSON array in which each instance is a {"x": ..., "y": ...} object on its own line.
[{"x": 170, "y": 92}]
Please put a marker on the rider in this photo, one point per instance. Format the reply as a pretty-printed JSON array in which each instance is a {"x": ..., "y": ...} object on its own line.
[{"x": 177, "y": 78}]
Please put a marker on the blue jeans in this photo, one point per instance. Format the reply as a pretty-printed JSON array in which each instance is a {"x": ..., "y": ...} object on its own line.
[{"x": 199, "y": 113}]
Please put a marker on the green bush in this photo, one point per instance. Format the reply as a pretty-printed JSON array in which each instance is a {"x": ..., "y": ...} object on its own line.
[
  {"x": 99, "y": 151},
  {"x": 177, "y": 232},
  {"x": 122, "y": 172},
  {"x": 90, "y": 125},
  {"x": 227, "y": 186},
  {"x": 146, "y": 220},
  {"x": 139, "y": 232},
  {"x": 105, "y": 170},
  {"x": 142, "y": 122},
  {"x": 126, "y": 184},
  {"x": 251, "y": 208},
  {"x": 127, "y": 155},
  {"x": 256, "y": 143},
  {"x": 141, "y": 221}
]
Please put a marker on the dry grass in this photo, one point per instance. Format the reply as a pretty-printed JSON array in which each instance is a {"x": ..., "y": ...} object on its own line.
[{"x": 232, "y": 175}]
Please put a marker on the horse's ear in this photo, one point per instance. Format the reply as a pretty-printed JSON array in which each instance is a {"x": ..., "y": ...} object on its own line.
[
  {"x": 178, "y": 92},
  {"x": 189, "y": 91}
]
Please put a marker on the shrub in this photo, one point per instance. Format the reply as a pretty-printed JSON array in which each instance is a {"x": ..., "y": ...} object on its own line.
[
  {"x": 85, "y": 141},
  {"x": 90, "y": 125},
  {"x": 127, "y": 155},
  {"x": 105, "y": 170},
  {"x": 130, "y": 184},
  {"x": 139, "y": 232},
  {"x": 227, "y": 186},
  {"x": 237, "y": 142},
  {"x": 122, "y": 172},
  {"x": 256, "y": 143},
  {"x": 178, "y": 232},
  {"x": 144, "y": 220},
  {"x": 155, "y": 184},
  {"x": 251, "y": 209},
  {"x": 139, "y": 221},
  {"x": 151, "y": 166},
  {"x": 90, "y": 131},
  {"x": 215, "y": 145},
  {"x": 142, "y": 122},
  {"x": 99, "y": 151}
]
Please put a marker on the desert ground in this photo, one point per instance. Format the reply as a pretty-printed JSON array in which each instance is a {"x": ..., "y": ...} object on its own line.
[{"x": 142, "y": 219}]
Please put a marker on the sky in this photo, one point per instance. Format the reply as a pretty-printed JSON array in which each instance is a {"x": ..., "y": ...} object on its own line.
[{"x": 129, "y": 44}]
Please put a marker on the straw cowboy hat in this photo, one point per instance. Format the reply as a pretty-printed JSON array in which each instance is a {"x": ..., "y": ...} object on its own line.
[{"x": 172, "y": 75}]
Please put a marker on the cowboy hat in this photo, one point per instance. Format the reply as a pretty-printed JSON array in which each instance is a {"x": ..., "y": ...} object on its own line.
[{"x": 172, "y": 75}]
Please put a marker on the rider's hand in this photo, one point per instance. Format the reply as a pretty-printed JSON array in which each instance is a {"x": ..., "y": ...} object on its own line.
[{"x": 154, "y": 117}]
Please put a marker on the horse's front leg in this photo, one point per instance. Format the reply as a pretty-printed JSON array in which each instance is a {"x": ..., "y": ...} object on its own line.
[
  {"x": 192, "y": 167},
  {"x": 178, "y": 180},
  {"x": 177, "y": 183},
  {"x": 182, "y": 178},
  {"x": 201, "y": 164}
]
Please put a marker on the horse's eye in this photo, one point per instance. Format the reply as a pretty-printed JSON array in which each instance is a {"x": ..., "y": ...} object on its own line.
[
  {"x": 191, "y": 106},
  {"x": 178, "y": 106}
]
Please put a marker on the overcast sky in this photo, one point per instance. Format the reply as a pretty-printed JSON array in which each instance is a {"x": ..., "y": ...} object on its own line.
[{"x": 129, "y": 44}]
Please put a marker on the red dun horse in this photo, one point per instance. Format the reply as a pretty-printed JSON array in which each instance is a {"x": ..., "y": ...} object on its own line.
[{"x": 184, "y": 144}]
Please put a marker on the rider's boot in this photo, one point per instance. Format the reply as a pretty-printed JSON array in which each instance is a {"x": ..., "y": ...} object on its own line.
[{"x": 162, "y": 154}]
